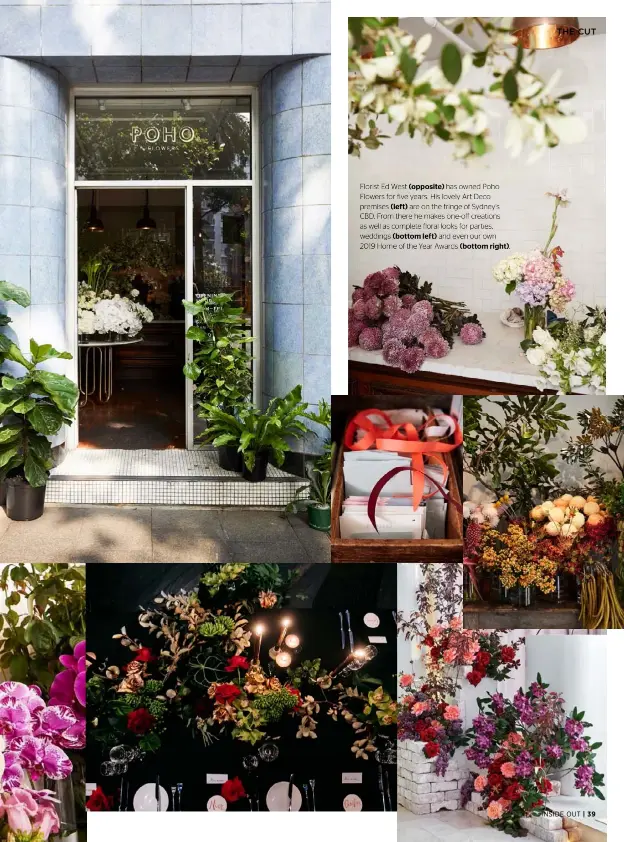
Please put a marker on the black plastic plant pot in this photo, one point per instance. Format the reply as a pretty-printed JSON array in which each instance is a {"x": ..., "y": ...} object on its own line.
[
  {"x": 319, "y": 517},
  {"x": 23, "y": 502},
  {"x": 260, "y": 468},
  {"x": 2, "y": 493},
  {"x": 230, "y": 459}
]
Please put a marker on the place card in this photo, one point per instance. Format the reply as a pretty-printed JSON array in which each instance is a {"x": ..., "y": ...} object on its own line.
[
  {"x": 377, "y": 639},
  {"x": 216, "y": 779},
  {"x": 352, "y": 803},
  {"x": 217, "y": 804},
  {"x": 352, "y": 777}
]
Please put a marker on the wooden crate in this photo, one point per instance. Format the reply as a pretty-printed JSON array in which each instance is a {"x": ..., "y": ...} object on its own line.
[{"x": 392, "y": 550}]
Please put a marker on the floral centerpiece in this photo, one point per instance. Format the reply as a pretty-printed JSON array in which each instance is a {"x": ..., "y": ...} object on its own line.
[
  {"x": 537, "y": 277},
  {"x": 395, "y": 313},
  {"x": 572, "y": 354},
  {"x": 210, "y": 672},
  {"x": 518, "y": 743},
  {"x": 34, "y": 738},
  {"x": 104, "y": 313}
]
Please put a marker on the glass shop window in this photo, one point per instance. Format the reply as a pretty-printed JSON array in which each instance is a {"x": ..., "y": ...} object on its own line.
[{"x": 181, "y": 138}]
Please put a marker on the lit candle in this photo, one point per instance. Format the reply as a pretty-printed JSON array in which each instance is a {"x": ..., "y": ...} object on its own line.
[
  {"x": 283, "y": 659},
  {"x": 280, "y": 640},
  {"x": 357, "y": 654},
  {"x": 258, "y": 630},
  {"x": 292, "y": 641}
]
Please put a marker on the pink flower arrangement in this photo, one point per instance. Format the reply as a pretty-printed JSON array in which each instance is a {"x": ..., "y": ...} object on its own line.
[
  {"x": 407, "y": 330},
  {"x": 33, "y": 737},
  {"x": 69, "y": 688}
]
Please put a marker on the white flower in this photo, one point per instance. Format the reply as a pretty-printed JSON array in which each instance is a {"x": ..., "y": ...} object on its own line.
[
  {"x": 382, "y": 67},
  {"x": 86, "y": 321},
  {"x": 509, "y": 268},
  {"x": 545, "y": 339},
  {"x": 568, "y": 129},
  {"x": 117, "y": 315},
  {"x": 536, "y": 356}
]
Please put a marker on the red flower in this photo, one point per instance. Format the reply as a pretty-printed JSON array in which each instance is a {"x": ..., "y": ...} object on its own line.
[
  {"x": 428, "y": 641},
  {"x": 482, "y": 660},
  {"x": 140, "y": 721},
  {"x": 436, "y": 651},
  {"x": 431, "y": 750},
  {"x": 475, "y": 677},
  {"x": 225, "y": 693},
  {"x": 232, "y": 790},
  {"x": 237, "y": 662},
  {"x": 544, "y": 786},
  {"x": 294, "y": 692},
  {"x": 513, "y": 792},
  {"x": 429, "y": 734},
  {"x": 495, "y": 783},
  {"x": 99, "y": 801},
  {"x": 507, "y": 654},
  {"x": 144, "y": 654}
]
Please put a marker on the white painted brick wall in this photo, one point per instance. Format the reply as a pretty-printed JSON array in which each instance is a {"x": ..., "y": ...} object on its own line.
[
  {"x": 420, "y": 790},
  {"x": 525, "y": 215}
]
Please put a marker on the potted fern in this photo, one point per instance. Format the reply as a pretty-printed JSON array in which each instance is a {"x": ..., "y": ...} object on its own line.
[
  {"x": 221, "y": 364},
  {"x": 257, "y": 435},
  {"x": 315, "y": 495}
]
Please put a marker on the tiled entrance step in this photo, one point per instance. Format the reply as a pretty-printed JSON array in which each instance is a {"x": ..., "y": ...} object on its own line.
[{"x": 162, "y": 477}]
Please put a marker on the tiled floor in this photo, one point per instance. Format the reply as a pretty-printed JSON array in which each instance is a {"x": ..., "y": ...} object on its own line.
[
  {"x": 84, "y": 462},
  {"x": 456, "y": 826},
  {"x": 161, "y": 533}
]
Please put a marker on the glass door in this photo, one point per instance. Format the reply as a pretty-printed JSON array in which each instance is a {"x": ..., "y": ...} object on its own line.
[{"x": 221, "y": 247}]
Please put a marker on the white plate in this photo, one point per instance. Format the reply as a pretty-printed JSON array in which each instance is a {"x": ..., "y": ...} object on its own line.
[
  {"x": 277, "y": 798},
  {"x": 144, "y": 800}
]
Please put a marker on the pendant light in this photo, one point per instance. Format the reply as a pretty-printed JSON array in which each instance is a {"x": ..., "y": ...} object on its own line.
[
  {"x": 93, "y": 224},
  {"x": 545, "y": 33},
  {"x": 146, "y": 223}
]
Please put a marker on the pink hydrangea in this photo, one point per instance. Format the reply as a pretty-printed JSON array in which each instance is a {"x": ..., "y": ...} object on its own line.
[
  {"x": 356, "y": 326},
  {"x": 471, "y": 334},
  {"x": 538, "y": 269},
  {"x": 412, "y": 359},
  {"x": 393, "y": 351},
  {"x": 359, "y": 309},
  {"x": 563, "y": 292},
  {"x": 392, "y": 304},
  {"x": 389, "y": 286},
  {"x": 408, "y": 301},
  {"x": 392, "y": 272},
  {"x": 370, "y": 339},
  {"x": 358, "y": 294}
]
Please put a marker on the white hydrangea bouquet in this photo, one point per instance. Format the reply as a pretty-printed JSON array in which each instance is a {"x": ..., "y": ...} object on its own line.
[
  {"x": 102, "y": 313},
  {"x": 573, "y": 356}
]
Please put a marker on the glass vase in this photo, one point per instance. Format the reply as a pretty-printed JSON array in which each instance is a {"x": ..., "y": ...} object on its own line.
[
  {"x": 533, "y": 317},
  {"x": 470, "y": 591},
  {"x": 561, "y": 592},
  {"x": 521, "y": 597}
]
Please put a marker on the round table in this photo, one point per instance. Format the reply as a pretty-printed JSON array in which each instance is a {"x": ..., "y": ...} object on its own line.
[{"x": 95, "y": 372}]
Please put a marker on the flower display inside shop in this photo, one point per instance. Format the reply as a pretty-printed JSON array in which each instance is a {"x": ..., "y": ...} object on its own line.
[
  {"x": 517, "y": 743},
  {"x": 572, "y": 354},
  {"x": 211, "y": 671},
  {"x": 450, "y": 99},
  {"x": 105, "y": 312},
  {"x": 394, "y": 312},
  {"x": 34, "y": 738},
  {"x": 537, "y": 277}
]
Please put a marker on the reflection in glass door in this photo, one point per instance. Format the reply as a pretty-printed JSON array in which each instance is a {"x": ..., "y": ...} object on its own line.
[{"x": 222, "y": 251}]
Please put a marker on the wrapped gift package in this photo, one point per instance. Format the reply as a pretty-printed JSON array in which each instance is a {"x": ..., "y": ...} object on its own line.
[{"x": 396, "y": 492}]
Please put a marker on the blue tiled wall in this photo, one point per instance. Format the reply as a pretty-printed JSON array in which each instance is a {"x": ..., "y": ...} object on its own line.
[{"x": 295, "y": 114}]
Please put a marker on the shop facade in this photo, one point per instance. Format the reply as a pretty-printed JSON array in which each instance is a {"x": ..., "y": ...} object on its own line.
[{"x": 97, "y": 107}]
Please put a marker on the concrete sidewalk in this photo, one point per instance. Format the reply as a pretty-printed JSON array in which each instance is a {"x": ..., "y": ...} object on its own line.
[{"x": 160, "y": 533}]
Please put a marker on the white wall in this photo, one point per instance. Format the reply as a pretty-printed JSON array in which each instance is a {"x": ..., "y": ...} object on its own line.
[
  {"x": 576, "y": 667},
  {"x": 525, "y": 216}
]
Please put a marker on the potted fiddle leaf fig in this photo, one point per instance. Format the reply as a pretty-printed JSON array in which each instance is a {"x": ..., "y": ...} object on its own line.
[
  {"x": 32, "y": 408},
  {"x": 221, "y": 364},
  {"x": 17, "y": 295}
]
